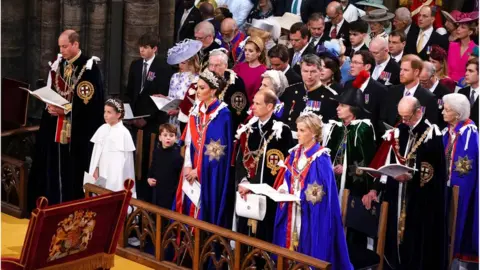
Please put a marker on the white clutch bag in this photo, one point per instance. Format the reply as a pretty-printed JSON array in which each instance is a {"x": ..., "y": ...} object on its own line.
[{"x": 255, "y": 207}]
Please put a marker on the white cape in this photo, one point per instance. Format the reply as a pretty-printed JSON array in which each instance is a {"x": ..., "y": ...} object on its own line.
[{"x": 113, "y": 155}]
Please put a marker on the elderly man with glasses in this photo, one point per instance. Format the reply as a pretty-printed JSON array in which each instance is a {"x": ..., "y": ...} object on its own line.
[{"x": 417, "y": 197}]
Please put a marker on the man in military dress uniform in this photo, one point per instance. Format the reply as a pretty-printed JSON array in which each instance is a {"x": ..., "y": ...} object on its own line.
[
  {"x": 263, "y": 142},
  {"x": 234, "y": 94},
  {"x": 310, "y": 95},
  {"x": 416, "y": 233},
  {"x": 63, "y": 148}
]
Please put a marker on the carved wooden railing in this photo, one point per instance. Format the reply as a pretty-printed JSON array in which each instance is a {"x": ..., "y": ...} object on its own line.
[
  {"x": 14, "y": 187},
  {"x": 189, "y": 243}
]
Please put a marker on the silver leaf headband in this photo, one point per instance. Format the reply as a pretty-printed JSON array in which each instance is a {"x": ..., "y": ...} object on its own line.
[
  {"x": 117, "y": 104},
  {"x": 210, "y": 77}
]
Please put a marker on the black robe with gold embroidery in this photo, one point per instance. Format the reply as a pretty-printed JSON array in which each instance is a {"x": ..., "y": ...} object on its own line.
[
  {"x": 57, "y": 170},
  {"x": 247, "y": 169},
  {"x": 235, "y": 97},
  {"x": 423, "y": 242}
]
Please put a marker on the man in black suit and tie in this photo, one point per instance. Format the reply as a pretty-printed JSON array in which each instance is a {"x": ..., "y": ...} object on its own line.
[
  {"x": 299, "y": 36},
  {"x": 316, "y": 25},
  {"x": 185, "y": 20},
  {"x": 403, "y": 22},
  {"x": 396, "y": 45},
  {"x": 429, "y": 81},
  {"x": 410, "y": 69},
  {"x": 304, "y": 8},
  {"x": 207, "y": 12},
  {"x": 374, "y": 93},
  {"x": 358, "y": 33},
  {"x": 427, "y": 37},
  {"x": 386, "y": 70},
  {"x": 472, "y": 91},
  {"x": 337, "y": 27},
  {"x": 278, "y": 55},
  {"x": 148, "y": 76}
]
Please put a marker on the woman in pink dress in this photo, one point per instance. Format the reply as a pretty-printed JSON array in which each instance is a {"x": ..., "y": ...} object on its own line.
[
  {"x": 254, "y": 66},
  {"x": 438, "y": 57},
  {"x": 459, "y": 51}
]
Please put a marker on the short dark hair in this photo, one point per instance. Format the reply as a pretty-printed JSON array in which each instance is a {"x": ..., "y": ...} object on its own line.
[
  {"x": 170, "y": 128},
  {"x": 148, "y": 39},
  {"x": 206, "y": 9},
  {"x": 367, "y": 57},
  {"x": 299, "y": 26},
  {"x": 334, "y": 67},
  {"x": 473, "y": 61},
  {"x": 398, "y": 33},
  {"x": 279, "y": 51},
  {"x": 359, "y": 26},
  {"x": 316, "y": 16}
]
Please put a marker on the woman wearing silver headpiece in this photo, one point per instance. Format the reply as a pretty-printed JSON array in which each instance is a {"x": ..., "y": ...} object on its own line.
[{"x": 183, "y": 84}]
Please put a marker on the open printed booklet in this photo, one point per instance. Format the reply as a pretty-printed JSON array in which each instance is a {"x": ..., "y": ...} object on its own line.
[
  {"x": 47, "y": 95},
  {"x": 392, "y": 170},
  {"x": 129, "y": 113},
  {"x": 166, "y": 103},
  {"x": 265, "y": 189}
]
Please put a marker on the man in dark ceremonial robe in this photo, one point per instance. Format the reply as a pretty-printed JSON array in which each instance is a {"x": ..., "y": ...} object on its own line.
[
  {"x": 205, "y": 32},
  {"x": 263, "y": 142},
  {"x": 234, "y": 94},
  {"x": 63, "y": 148},
  {"x": 417, "y": 223}
]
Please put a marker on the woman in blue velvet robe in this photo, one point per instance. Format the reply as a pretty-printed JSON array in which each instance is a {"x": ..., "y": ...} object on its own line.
[
  {"x": 208, "y": 140},
  {"x": 460, "y": 139},
  {"x": 314, "y": 225}
]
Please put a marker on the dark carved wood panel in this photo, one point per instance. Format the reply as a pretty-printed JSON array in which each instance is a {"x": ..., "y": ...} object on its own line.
[{"x": 14, "y": 192}]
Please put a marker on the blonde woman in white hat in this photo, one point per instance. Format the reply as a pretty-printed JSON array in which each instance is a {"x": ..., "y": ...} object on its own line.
[{"x": 185, "y": 55}]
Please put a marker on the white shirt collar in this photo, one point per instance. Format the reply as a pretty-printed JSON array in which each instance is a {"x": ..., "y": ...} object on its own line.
[
  {"x": 358, "y": 47},
  {"x": 288, "y": 67},
  {"x": 407, "y": 29},
  {"x": 149, "y": 62},
  {"x": 317, "y": 39},
  {"x": 416, "y": 124},
  {"x": 303, "y": 49},
  {"x": 398, "y": 58},
  {"x": 364, "y": 85},
  {"x": 262, "y": 123},
  {"x": 432, "y": 89},
  {"x": 474, "y": 89},
  {"x": 427, "y": 33},
  {"x": 411, "y": 90},
  {"x": 384, "y": 64}
]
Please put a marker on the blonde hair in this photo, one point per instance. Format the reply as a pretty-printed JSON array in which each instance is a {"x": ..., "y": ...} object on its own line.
[
  {"x": 313, "y": 122},
  {"x": 194, "y": 63}
]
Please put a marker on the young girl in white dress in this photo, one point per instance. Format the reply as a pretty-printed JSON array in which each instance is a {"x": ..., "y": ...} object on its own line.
[{"x": 112, "y": 156}]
